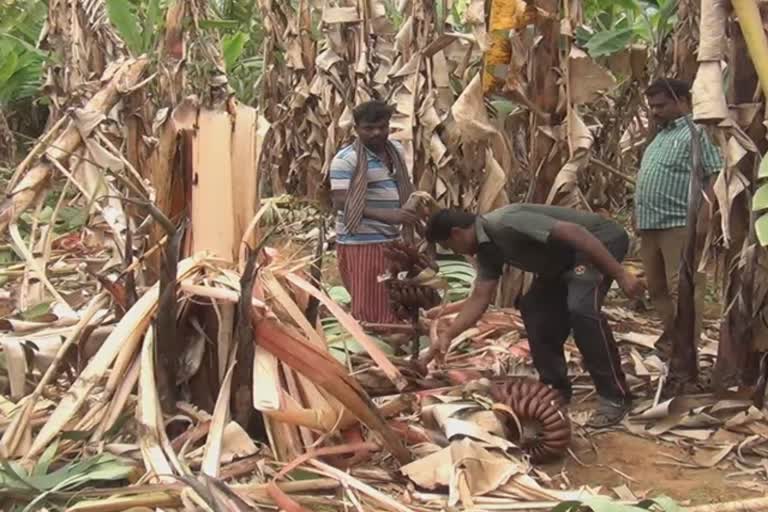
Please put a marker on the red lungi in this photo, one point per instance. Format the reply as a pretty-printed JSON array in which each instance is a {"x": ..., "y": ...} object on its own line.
[{"x": 360, "y": 266}]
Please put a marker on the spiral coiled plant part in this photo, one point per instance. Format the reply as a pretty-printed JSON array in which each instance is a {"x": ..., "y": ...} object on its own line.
[{"x": 534, "y": 416}]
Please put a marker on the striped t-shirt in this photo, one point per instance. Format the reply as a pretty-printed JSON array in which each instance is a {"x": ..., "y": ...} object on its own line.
[
  {"x": 382, "y": 193},
  {"x": 661, "y": 193}
]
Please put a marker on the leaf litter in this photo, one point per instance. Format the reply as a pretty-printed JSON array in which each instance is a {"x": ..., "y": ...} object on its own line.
[
  {"x": 82, "y": 397},
  {"x": 457, "y": 458}
]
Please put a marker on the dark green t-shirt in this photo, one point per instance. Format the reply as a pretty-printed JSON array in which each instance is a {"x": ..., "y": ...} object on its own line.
[{"x": 518, "y": 234}]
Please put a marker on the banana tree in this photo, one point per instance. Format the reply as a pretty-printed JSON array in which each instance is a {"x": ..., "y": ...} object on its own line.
[
  {"x": 611, "y": 27},
  {"x": 21, "y": 68},
  {"x": 742, "y": 136},
  {"x": 21, "y": 64}
]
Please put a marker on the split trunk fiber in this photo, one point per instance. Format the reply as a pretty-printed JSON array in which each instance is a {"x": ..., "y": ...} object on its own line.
[
  {"x": 739, "y": 333},
  {"x": 708, "y": 106}
]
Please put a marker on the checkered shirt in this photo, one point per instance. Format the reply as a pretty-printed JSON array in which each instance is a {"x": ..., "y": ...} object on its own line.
[{"x": 661, "y": 193}]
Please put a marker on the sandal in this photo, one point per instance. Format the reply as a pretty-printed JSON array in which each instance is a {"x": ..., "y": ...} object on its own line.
[{"x": 608, "y": 413}]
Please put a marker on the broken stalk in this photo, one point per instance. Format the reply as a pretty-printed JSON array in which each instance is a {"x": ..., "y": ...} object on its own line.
[
  {"x": 168, "y": 344},
  {"x": 683, "y": 363},
  {"x": 315, "y": 275}
]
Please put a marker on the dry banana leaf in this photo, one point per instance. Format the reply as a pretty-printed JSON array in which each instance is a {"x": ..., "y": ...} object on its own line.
[
  {"x": 352, "y": 325},
  {"x": 124, "y": 339},
  {"x": 34, "y": 181},
  {"x": 327, "y": 373}
]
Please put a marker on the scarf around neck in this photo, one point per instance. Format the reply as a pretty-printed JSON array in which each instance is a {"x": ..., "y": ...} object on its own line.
[{"x": 355, "y": 204}]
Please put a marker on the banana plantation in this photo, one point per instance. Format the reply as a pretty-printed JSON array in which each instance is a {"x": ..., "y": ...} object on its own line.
[{"x": 178, "y": 330}]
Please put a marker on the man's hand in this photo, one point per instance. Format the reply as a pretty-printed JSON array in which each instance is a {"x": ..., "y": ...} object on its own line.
[
  {"x": 399, "y": 216},
  {"x": 473, "y": 308},
  {"x": 441, "y": 350},
  {"x": 632, "y": 286},
  {"x": 437, "y": 352},
  {"x": 407, "y": 217}
]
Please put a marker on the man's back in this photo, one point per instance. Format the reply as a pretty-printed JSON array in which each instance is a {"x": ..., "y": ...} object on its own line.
[{"x": 521, "y": 233}]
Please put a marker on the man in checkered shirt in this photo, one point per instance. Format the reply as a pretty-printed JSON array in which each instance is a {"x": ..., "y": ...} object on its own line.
[{"x": 661, "y": 197}]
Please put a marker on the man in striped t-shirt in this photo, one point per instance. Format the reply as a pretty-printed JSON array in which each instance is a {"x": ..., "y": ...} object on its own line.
[
  {"x": 661, "y": 197},
  {"x": 369, "y": 184}
]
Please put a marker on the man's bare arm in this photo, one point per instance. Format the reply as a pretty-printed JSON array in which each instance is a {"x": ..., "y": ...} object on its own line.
[
  {"x": 388, "y": 216},
  {"x": 473, "y": 308},
  {"x": 584, "y": 241}
]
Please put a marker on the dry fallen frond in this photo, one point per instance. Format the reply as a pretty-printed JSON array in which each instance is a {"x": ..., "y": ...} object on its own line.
[
  {"x": 326, "y": 372},
  {"x": 122, "y": 341},
  {"x": 32, "y": 184}
]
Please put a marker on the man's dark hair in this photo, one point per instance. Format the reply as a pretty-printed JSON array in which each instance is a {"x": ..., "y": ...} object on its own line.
[
  {"x": 440, "y": 224},
  {"x": 373, "y": 111},
  {"x": 673, "y": 88}
]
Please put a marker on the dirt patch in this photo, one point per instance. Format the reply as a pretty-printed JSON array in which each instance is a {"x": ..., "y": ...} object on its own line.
[{"x": 639, "y": 459}]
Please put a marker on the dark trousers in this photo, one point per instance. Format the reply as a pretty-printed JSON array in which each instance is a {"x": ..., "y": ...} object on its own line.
[{"x": 572, "y": 301}]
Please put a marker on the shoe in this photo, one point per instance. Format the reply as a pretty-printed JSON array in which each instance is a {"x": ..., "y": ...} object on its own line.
[{"x": 608, "y": 413}]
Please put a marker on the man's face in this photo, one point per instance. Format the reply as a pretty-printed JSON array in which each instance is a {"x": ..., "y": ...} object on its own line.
[
  {"x": 460, "y": 242},
  {"x": 664, "y": 109},
  {"x": 373, "y": 134}
]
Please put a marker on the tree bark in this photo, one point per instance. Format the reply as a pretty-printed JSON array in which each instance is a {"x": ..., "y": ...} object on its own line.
[
  {"x": 735, "y": 331},
  {"x": 544, "y": 91}
]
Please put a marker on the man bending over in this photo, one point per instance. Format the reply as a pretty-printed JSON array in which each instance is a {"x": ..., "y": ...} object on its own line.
[{"x": 574, "y": 256}]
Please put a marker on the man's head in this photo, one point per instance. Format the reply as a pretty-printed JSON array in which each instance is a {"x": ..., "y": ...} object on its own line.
[
  {"x": 668, "y": 99},
  {"x": 372, "y": 123},
  {"x": 453, "y": 229}
]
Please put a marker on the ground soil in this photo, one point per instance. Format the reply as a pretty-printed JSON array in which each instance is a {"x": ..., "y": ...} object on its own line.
[
  {"x": 606, "y": 455},
  {"x": 639, "y": 459}
]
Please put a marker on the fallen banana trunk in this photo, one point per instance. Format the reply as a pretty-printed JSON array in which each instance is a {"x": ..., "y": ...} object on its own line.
[
  {"x": 169, "y": 495},
  {"x": 34, "y": 181},
  {"x": 326, "y": 372}
]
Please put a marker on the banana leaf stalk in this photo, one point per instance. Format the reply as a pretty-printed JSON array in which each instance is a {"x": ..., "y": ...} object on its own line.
[
  {"x": 751, "y": 25},
  {"x": 349, "y": 323},
  {"x": 326, "y": 372}
]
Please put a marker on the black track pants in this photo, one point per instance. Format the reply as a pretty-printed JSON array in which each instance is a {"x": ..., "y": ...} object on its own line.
[{"x": 555, "y": 306}]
